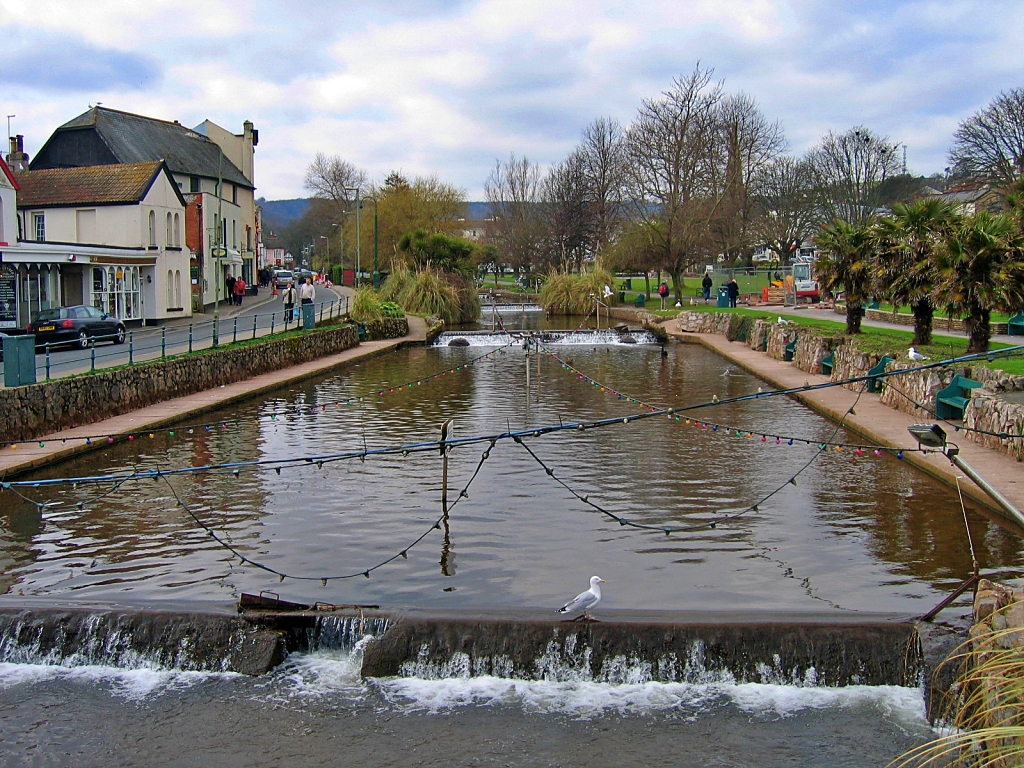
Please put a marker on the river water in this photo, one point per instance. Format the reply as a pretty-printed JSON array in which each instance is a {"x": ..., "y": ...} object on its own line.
[{"x": 857, "y": 532}]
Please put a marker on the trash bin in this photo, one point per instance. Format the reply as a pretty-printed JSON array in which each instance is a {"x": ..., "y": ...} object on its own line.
[
  {"x": 723, "y": 296},
  {"x": 629, "y": 284},
  {"x": 639, "y": 300},
  {"x": 308, "y": 316},
  {"x": 19, "y": 360},
  {"x": 622, "y": 297},
  {"x": 362, "y": 332}
]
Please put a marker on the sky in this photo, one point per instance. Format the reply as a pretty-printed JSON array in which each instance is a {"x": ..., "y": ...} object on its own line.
[{"x": 448, "y": 88}]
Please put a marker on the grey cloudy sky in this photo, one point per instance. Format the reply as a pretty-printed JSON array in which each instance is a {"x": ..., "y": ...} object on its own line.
[{"x": 448, "y": 87}]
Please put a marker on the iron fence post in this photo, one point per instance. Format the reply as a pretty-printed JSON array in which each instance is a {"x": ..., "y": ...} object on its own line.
[
  {"x": 163, "y": 342},
  {"x": 47, "y": 348},
  {"x": 215, "y": 331},
  {"x": 273, "y": 320},
  {"x": 92, "y": 359},
  {"x": 190, "y": 337},
  {"x": 131, "y": 348},
  {"x": 234, "y": 330},
  {"x": 254, "y": 317}
]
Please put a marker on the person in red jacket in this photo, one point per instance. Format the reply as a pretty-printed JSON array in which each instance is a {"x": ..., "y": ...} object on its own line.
[{"x": 239, "y": 291}]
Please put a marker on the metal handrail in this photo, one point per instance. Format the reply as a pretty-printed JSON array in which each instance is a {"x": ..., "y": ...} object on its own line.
[{"x": 201, "y": 335}]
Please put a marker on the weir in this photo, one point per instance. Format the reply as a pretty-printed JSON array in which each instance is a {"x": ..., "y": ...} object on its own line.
[
  {"x": 566, "y": 337},
  {"x": 785, "y": 650}
]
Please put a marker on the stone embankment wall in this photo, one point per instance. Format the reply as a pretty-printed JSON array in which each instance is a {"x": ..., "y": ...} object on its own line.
[
  {"x": 904, "y": 318},
  {"x": 388, "y": 328},
  {"x": 30, "y": 411},
  {"x": 986, "y": 411},
  {"x": 998, "y": 628}
]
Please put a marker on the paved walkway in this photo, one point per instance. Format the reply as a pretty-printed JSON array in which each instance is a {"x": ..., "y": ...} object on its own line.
[
  {"x": 60, "y": 445},
  {"x": 877, "y": 423}
]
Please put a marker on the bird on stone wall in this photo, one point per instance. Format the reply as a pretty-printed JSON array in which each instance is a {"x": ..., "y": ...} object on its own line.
[{"x": 916, "y": 356}]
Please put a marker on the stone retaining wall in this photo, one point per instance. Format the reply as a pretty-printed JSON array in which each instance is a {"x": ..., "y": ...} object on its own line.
[
  {"x": 998, "y": 627},
  {"x": 30, "y": 411},
  {"x": 938, "y": 323},
  {"x": 388, "y": 328}
]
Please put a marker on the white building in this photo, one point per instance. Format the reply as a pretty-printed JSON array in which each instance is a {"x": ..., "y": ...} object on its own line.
[{"x": 111, "y": 236}]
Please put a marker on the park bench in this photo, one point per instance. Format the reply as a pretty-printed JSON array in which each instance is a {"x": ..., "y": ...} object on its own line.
[
  {"x": 951, "y": 402},
  {"x": 874, "y": 382},
  {"x": 827, "y": 363},
  {"x": 790, "y": 350},
  {"x": 1016, "y": 325},
  {"x": 639, "y": 300}
]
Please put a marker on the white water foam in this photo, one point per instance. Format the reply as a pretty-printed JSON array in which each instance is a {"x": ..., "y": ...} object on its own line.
[
  {"x": 130, "y": 684},
  {"x": 588, "y": 699}
]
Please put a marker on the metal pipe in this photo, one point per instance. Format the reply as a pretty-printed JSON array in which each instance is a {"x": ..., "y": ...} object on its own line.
[{"x": 953, "y": 454}]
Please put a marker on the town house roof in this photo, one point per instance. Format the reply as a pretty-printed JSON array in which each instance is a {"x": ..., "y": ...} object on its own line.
[{"x": 120, "y": 184}]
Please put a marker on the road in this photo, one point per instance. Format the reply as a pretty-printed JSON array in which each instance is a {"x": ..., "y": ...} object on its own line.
[{"x": 258, "y": 316}]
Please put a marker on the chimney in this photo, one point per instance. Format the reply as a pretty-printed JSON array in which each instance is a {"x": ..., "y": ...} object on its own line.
[{"x": 16, "y": 159}]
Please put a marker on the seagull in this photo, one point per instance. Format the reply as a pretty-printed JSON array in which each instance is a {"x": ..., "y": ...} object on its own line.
[
  {"x": 783, "y": 321},
  {"x": 916, "y": 356},
  {"x": 585, "y": 600}
]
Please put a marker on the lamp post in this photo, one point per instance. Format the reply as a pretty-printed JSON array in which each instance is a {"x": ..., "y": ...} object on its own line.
[
  {"x": 359, "y": 204},
  {"x": 933, "y": 436}
]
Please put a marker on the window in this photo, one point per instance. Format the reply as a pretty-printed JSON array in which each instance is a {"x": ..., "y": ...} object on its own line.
[
  {"x": 234, "y": 233},
  {"x": 234, "y": 194},
  {"x": 169, "y": 234},
  {"x": 170, "y": 288},
  {"x": 193, "y": 184},
  {"x": 177, "y": 288},
  {"x": 177, "y": 231},
  {"x": 39, "y": 226},
  {"x": 152, "y": 229}
]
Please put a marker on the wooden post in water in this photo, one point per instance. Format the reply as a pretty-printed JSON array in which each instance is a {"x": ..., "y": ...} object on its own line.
[{"x": 446, "y": 433}]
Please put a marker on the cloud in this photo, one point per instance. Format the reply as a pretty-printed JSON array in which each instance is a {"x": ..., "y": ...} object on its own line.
[{"x": 52, "y": 61}]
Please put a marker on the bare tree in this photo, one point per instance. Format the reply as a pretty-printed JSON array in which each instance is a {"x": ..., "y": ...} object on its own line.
[
  {"x": 849, "y": 170},
  {"x": 989, "y": 145},
  {"x": 331, "y": 178},
  {"x": 784, "y": 210},
  {"x": 513, "y": 191},
  {"x": 567, "y": 214},
  {"x": 751, "y": 142},
  {"x": 602, "y": 156},
  {"x": 675, "y": 157}
]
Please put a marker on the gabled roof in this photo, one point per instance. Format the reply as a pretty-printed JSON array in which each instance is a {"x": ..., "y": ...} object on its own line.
[
  {"x": 135, "y": 139},
  {"x": 6, "y": 170},
  {"x": 125, "y": 183}
]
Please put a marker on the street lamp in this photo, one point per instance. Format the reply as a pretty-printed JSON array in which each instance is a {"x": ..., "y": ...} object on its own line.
[
  {"x": 359, "y": 204},
  {"x": 933, "y": 436}
]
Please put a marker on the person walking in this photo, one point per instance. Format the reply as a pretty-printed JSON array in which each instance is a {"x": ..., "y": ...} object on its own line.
[
  {"x": 239, "y": 291},
  {"x": 663, "y": 292},
  {"x": 289, "y": 302},
  {"x": 229, "y": 283},
  {"x": 705, "y": 285},
  {"x": 734, "y": 291}
]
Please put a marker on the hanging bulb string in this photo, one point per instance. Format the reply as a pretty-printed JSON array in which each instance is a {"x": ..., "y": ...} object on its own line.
[
  {"x": 53, "y": 507},
  {"x": 244, "y": 559},
  {"x": 717, "y": 426},
  {"x": 299, "y": 410}
]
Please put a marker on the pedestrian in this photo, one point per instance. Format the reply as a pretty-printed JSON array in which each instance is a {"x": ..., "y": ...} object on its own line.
[
  {"x": 663, "y": 292},
  {"x": 705, "y": 285},
  {"x": 734, "y": 291},
  {"x": 307, "y": 292},
  {"x": 289, "y": 302},
  {"x": 229, "y": 283},
  {"x": 239, "y": 291}
]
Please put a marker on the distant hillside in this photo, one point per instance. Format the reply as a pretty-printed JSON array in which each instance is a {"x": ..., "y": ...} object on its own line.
[{"x": 278, "y": 214}]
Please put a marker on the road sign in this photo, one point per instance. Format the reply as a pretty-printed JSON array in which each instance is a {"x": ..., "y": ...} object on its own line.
[{"x": 219, "y": 253}]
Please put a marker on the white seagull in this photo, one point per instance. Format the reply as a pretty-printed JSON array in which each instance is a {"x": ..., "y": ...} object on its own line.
[
  {"x": 916, "y": 356},
  {"x": 783, "y": 321},
  {"x": 584, "y": 601}
]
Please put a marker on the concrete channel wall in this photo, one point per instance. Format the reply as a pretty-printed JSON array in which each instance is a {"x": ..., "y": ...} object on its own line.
[{"x": 30, "y": 411}]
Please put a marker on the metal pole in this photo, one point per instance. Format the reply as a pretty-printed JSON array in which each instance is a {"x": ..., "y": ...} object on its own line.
[
  {"x": 376, "y": 272},
  {"x": 254, "y": 325},
  {"x": 131, "y": 348},
  {"x": 163, "y": 342},
  {"x": 190, "y": 337},
  {"x": 47, "y": 362},
  {"x": 1012, "y": 512},
  {"x": 359, "y": 243},
  {"x": 234, "y": 333}
]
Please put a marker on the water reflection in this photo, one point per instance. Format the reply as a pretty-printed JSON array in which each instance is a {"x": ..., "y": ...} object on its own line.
[{"x": 861, "y": 532}]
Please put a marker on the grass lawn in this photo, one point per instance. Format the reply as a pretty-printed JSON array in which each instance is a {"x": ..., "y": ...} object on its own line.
[
  {"x": 997, "y": 317},
  {"x": 883, "y": 340}
]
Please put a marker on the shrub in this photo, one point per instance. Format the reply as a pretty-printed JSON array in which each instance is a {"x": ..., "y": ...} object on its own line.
[
  {"x": 564, "y": 293},
  {"x": 391, "y": 309},
  {"x": 397, "y": 286},
  {"x": 366, "y": 306}
]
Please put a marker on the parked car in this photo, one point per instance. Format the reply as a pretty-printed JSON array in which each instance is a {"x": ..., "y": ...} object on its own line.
[
  {"x": 80, "y": 325},
  {"x": 282, "y": 277}
]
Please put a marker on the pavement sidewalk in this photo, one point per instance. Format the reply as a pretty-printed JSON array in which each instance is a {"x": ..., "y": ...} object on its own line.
[
  {"x": 57, "y": 446},
  {"x": 876, "y": 423}
]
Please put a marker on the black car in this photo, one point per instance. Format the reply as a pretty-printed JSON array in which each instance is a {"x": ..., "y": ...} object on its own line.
[{"x": 80, "y": 325}]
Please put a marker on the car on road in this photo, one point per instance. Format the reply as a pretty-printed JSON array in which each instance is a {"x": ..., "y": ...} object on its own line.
[
  {"x": 282, "y": 277},
  {"x": 80, "y": 325}
]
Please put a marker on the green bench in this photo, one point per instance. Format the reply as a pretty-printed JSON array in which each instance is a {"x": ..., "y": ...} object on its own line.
[
  {"x": 951, "y": 402},
  {"x": 874, "y": 382},
  {"x": 1016, "y": 325},
  {"x": 639, "y": 301},
  {"x": 790, "y": 350},
  {"x": 827, "y": 363}
]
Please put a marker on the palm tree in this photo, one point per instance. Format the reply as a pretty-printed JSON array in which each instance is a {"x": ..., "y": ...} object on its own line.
[
  {"x": 980, "y": 269},
  {"x": 846, "y": 265},
  {"x": 906, "y": 243}
]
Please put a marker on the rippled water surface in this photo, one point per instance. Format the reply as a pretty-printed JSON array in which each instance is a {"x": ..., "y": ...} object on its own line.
[{"x": 857, "y": 532}]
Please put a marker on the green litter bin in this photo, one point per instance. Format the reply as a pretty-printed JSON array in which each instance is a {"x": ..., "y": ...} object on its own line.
[
  {"x": 622, "y": 297},
  {"x": 308, "y": 316},
  {"x": 19, "y": 360},
  {"x": 723, "y": 296},
  {"x": 639, "y": 300}
]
